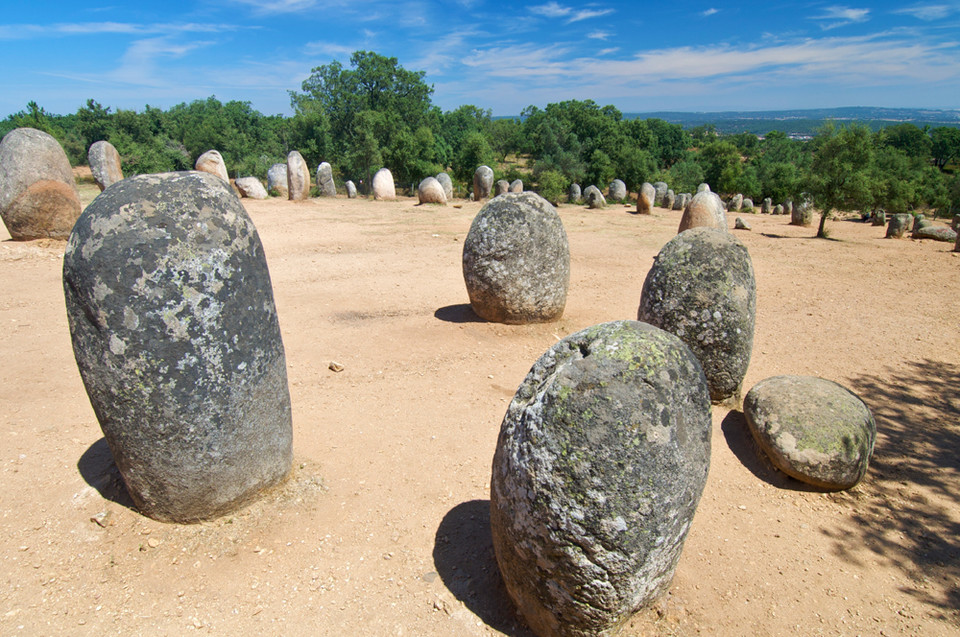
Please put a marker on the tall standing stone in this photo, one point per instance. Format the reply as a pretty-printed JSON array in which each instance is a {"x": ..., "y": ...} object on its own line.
[
  {"x": 277, "y": 181},
  {"x": 447, "y": 185},
  {"x": 661, "y": 188},
  {"x": 645, "y": 198},
  {"x": 351, "y": 190},
  {"x": 383, "y": 187},
  {"x": 669, "y": 199},
  {"x": 38, "y": 195},
  {"x": 298, "y": 177},
  {"x": 104, "y": 163},
  {"x": 328, "y": 188},
  {"x": 748, "y": 204},
  {"x": 482, "y": 183},
  {"x": 601, "y": 460},
  {"x": 516, "y": 260},
  {"x": 574, "y": 195},
  {"x": 176, "y": 337},
  {"x": 800, "y": 215},
  {"x": 594, "y": 198},
  {"x": 617, "y": 190},
  {"x": 702, "y": 288},
  {"x": 212, "y": 162},
  {"x": 766, "y": 207},
  {"x": 704, "y": 210},
  {"x": 736, "y": 203}
]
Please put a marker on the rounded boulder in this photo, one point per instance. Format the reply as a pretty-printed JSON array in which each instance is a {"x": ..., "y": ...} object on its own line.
[
  {"x": 430, "y": 191},
  {"x": 812, "y": 429},
  {"x": 176, "y": 337},
  {"x": 617, "y": 190},
  {"x": 212, "y": 162},
  {"x": 594, "y": 198},
  {"x": 702, "y": 289},
  {"x": 104, "y": 163},
  {"x": 482, "y": 183},
  {"x": 600, "y": 463},
  {"x": 38, "y": 195},
  {"x": 383, "y": 186},
  {"x": 516, "y": 260},
  {"x": 705, "y": 209},
  {"x": 298, "y": 177}
]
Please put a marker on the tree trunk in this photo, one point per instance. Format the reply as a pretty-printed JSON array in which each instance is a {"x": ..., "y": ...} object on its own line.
[{"x": 821, "y": 233}]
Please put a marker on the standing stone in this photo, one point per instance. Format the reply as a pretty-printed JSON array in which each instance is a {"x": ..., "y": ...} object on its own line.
[
  {"x": 482, "y": 183},
  {"x": 682, "y": 200},
  {"x": 516, "y": 185},
  {"x": 705, "y": 209},
  {"x": 898, "y": 225},
  {"x": 574, "y": 195},
  {"x": 447, "y": 184},
  {"x": 788, "y": 207},
  {"x": 955, "y": 225},
  {"x": 736, "y": 203},
  {"x": 645, "y": 198},
  {"x": 767, "y": 206},
  {"x": 594, "y": 198},
  {"x": 660, "y": 188},
  {"x": 600, "y": 464},
  {"x": 176, "y": 337},
  {"x": 383, "y": 186},
  {"x": 298, "y": 177},
  {"x": 956, "y": 247},
  {"x": 212, "y": 162},
  {"x": 702, "y": 288},
  {"x": 430, "y": 191},
  {"x": 879, "y": 217},
  {"x": 617, "y": 190},
  {"x": 778, "y": 209},
  {"x": 748, "y": 204},
  {"x": 502, "y": 187},
  {"x": 801, "y": 215},
  {"x": 38, "y": 195},
  {"x": 703, "y": 188},
  {"x": 812, "y": 429},
  {"x": 325, "y": 183},
  {"x": 277, "y": 180},
  {"x": 516, "y": 260},
  {"x": 251, "y": 187},
  {"x": 104, "y": 163},
  {"x": 741, "y": 224},
  {"x": 351, "y": 190},
  {"x": 669, "y": 199}
]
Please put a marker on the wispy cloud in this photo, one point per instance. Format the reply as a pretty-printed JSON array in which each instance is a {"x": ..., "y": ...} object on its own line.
[
  {"x": 929, "y": 12},
  {"x": 586, "y": 14},
  {"x": 270, "y": 7},
  {"x": 599, "y": 35},
  {"x": 30, "y": 31},
  {"x": 709, "y": 12},
  {"x": 835, "y": 17},
  {"x": 556, "y": 10}
]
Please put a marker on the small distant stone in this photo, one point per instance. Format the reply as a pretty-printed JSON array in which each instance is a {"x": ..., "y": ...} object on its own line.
[
  {"x": 778, "y": 209},
  {"x": 766, "y": 207},
  {"x": 669, "y": 199},
  {"x": 747, "y": 204},
  {"x": 812, "y": 429},
  {"x": 661, "y": 189},
  {"x": 740, "y": 224},
  {"x": 482, "y": 183},
  {"x": 351, "y": 190},
  {"x": 325, "y": 183},
  {"x": 153, "y": 542},
  {"x": 104, "y": 163},
  {"x": 682, "y": 200},
  {"x": 574, "y": 194},
  {"x": 212, "y": 162},
  {"x": 335, "y": 366},
  {"x": 897, "y": 226},
  {"x": 879, "y": 217},
  {"x": 251, "y": 187},
  {"x": 502, "y": 187},
  {"x": 277, "y": 180},
  {"x": 516, "y": 185},
  {"x": 736, "y": 203}
]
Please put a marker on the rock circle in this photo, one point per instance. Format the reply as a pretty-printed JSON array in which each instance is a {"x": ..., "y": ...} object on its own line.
[
  {"x": 702, "y": 289},
  {"x": 430, "y": 191},
  {"x": 38, "y": 195},
  {"x": 600, "y": 463},
  {"x": 176, "y": 337},
  {"x": 516, "y": 260},
  {"x": 212, "y": 162},
  {"x": 104, "y": 161},
  {"x": 812, "y": 429},
  {"x": 383, "y": 186}
]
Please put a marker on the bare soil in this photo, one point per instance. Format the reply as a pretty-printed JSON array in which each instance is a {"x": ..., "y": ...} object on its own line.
[{"x": 383, "y": 528}]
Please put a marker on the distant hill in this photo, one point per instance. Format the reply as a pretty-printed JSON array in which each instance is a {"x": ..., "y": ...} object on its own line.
[{"x": 805, "y": 122}]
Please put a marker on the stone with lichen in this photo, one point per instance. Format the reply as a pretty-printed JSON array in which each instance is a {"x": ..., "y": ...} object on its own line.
[{"x": 600, "y": 463}]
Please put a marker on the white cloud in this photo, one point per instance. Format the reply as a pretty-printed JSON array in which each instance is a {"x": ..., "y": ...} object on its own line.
[
  {"x": 267, "y": 7},
  {"x": 551, "y": 10},
  {"x": 609, "y": 51},
  {"x": 30, "y": 31},
  {"x": 599, "y": 35},
  {"x": 928, "y": 12},
  {"x": 709, "y": 12},
  {"x": 328, "y": 49},
  {"x": 835, "y": 17},
  {"x": 586, "y": 14}
]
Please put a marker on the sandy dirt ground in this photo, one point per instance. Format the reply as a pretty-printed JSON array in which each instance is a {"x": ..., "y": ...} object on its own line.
[{"x": 383, "y": 528}]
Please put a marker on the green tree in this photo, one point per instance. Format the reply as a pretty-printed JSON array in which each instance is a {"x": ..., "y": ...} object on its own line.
[
  {"x": 474, "y": 152},
  {"x": 945, "y": 145},
  {"x": 841, "y": 168},
  {"x": 552, "y": 186}
]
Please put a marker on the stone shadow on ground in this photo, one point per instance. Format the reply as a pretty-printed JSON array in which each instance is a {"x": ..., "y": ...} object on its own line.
[
  {"x": 745, "y": 448},
  {"x": 906, "y": 512},
  {"x": 461, "y": 313},
  {"x": 98, "y": 469},
  {"x": 464, "y": 559}
]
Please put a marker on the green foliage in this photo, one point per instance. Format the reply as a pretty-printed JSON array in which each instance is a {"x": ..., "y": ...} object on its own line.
[
  {"x": 474, "y": 152},
  {"x": 945, "y": 145},
  {"x": 841, "y": 178},
  {"x": 552, "y": 186}
]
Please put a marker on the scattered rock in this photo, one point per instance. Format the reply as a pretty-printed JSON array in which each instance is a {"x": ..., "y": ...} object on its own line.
[
  {"x": 502, "y": 187},
  {"x": 104, "y": 163},
  {"x": 516, "y": 186},
  {"x": 447, "y": 184},
  {"x": 176, "y": 336},
  {"x": 430, "y": 191},
  {"x": 704, "y": 210},
  {"x": 766, "y": 207},
  {"x": 617, "y": 190},
  {"x": 645, "y": 198},
  {"x": 736, "y": 203},
  {"x": 594, "y": 198},
  {"x": 741, "y": 224},
  {"x": 589, "y": 516},
  {"x": 38, "y": 195},
  {"x": 334, "y": 366},
  {"x": 251, "y": 187},
  {"x": 702, "y": 288},
  {"x": 573, "y": 194},
  {"x": 897, "y": 226},
  {"x": 212, "y": 162},
  {"x": 351, "y": 190},
  {"x": 660, "y": 189},
  {"x": 298, "y": 177},
  {"x": 383, "y": 186},
  {"x": 482, "y": 183},
  {"x": 516, "y": 260},
  {"x": 277, "y": 181},
  {"x": 937, "y": 233},
  {"x": 812, "y": 429},
  {"x": 325, "y": 182}
]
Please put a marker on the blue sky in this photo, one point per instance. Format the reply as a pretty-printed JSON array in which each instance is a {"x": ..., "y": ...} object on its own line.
[{"x": 503, "y": 56}]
